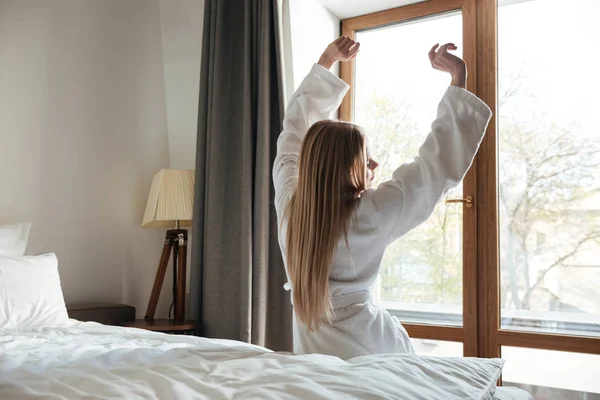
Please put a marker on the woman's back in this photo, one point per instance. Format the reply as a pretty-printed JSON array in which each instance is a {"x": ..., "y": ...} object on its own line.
[
  {"x": 358, "y": 326},
  {"x": 356, "y": 264},
  {"x": 382, "y": 215}
]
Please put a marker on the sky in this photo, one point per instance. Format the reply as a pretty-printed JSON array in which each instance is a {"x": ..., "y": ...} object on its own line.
[
  {"x": 393, "y": 62},
  {"x": 554, "y": 44}
]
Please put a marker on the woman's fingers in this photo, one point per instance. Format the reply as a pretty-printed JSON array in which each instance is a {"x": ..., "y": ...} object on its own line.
[
  {"x": 352, "y": 46},
  {"x": 353, "y": 50},
  {"x": 343, "y": 48},
  {"x": 348, "y": 46},
  {"x": 348, "y": 49},
  {"x": 444, "y": 49},
  {"x": 345, "y": 42},
  {"x": 432, "y": 53},
  {"x": 433, "y": 49},
  {"x": 448, "y": 46},
  {"x": 442, "y": 60}
]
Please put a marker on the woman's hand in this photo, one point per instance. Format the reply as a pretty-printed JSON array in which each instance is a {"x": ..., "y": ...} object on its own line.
[
  {"x": 341, "y": 49},
  {"x": 446, "y": 62}
]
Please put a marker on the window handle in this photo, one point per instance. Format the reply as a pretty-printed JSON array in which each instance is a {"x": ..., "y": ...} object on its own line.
[{"x": 468, "y": 201}]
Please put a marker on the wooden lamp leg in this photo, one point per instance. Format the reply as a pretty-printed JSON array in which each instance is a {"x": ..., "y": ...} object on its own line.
[
  {"x": 160, "y": 277},
  {"x": 175, "y": 251},
  {"x": 181, "y": 276}
]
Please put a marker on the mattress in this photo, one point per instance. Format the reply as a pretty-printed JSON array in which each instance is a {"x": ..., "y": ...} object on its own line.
[{"x": 90, "y": 360}]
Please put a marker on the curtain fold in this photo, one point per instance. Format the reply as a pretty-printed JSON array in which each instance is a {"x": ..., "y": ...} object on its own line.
[{"x": 237, "y": 273}]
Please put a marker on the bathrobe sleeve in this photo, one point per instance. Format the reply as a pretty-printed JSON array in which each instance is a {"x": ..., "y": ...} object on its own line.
[
  {"x": 409, "y": 197},
  {"x": 317, "y": 98}
]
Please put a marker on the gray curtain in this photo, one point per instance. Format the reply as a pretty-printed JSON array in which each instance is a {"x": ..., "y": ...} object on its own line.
[{"x": 237, "y": 272}]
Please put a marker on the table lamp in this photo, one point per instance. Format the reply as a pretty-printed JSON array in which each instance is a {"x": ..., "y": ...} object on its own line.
[{"x": 171, "y": 204}]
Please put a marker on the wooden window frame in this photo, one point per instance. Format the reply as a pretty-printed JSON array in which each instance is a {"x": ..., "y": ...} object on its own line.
[
  {"x": 480, "y": 333},
  {"x": 467, "y": 333}
]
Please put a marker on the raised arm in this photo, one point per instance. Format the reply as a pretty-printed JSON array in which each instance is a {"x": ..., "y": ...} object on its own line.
[
  {"x": 317, "y": 98},
  {"x": 408, "y": 199}
]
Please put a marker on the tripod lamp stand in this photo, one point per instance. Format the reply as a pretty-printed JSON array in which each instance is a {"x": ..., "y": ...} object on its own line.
[{"x": 170, "y": 205}]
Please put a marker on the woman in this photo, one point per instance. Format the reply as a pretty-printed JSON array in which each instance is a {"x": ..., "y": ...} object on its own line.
[{"x": 334, "y": 228}]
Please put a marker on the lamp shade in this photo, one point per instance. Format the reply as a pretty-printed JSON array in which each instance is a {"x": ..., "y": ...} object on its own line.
[{"x": 171, "y": 199}]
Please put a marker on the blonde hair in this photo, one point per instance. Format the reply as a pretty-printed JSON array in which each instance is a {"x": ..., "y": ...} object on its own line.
[{"x": 332, "y": 175}]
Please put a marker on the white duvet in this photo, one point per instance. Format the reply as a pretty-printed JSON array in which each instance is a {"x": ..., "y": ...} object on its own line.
[{"x": 93, "y": 361}]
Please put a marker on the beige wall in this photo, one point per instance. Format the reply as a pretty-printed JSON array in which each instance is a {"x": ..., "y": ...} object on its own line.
[
  {"x": 83, "y": 128},
  {"x": 181, "y": 27},
  {"x": 313, "y": 27},
  {"x": 181, "y": 23}
]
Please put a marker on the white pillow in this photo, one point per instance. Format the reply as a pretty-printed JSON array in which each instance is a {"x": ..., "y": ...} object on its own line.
[
  {"x": 30, "y": 292},
  {"x": 13, "y": 239}
]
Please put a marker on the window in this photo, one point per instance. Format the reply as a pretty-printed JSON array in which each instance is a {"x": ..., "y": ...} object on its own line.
[
  {"x": 437, "y": 348},
  {"x": 549, "y": 163},
  {"x": 509, "y": 263},
  {"x": 396, "y": 96}
]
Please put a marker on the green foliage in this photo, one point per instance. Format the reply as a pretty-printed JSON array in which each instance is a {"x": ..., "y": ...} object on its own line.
[
  {"x": 425, "y": 266},
  {"x": 547, "y": 175},
  {"x": 546, "y": 171}
]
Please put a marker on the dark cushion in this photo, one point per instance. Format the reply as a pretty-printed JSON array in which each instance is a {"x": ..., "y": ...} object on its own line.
[{"x": 107, "y": 314}]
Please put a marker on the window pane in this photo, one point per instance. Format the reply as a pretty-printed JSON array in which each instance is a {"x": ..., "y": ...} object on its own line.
[
  {"x": 396, "y": 98},
  {"x": 549, "y": 164},
  {"x": 437, "y": 348},
  {"x": 556, "y": 375}
]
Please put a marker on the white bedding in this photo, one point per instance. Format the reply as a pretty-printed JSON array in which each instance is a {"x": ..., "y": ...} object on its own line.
[
  {"x": 511, "y": 393},
  {"x": 93, "y": 361}
]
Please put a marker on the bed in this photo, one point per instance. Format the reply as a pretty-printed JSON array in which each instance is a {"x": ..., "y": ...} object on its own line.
[
  {"x": 91, "y": 360},
  {"x": 45, "y": 354}
]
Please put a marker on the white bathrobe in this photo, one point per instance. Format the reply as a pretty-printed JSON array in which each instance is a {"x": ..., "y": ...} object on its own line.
[{"x": 359, "y": 327}]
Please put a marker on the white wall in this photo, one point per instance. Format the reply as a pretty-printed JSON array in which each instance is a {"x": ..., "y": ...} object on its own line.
[
  {"x": 313, "y": 27},
  {"x": 95, "y": 97},
  {"x": 82, "y": 131},
  {"x": 181, "y": 24}
]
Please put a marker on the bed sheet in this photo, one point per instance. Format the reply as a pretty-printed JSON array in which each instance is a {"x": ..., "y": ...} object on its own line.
[{"x": 90, "y": 360}]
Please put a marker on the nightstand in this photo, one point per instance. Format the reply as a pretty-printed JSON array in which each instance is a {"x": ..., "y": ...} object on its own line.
[
  {"x": 107, "y": 314},
  {"x": 164, "y": 325}
]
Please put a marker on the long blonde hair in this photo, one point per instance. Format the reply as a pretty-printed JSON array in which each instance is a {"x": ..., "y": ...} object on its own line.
[{"x": 332, "y": 175}]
